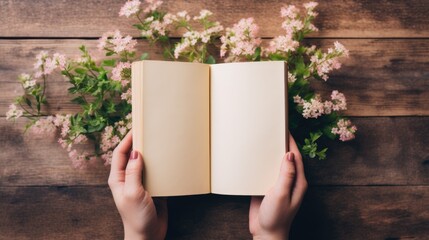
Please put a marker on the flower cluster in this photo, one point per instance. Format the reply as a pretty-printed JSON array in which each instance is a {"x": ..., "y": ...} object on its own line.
[
  {"x": 241, "y": 41},
  {"x": 122, "y": 73},
  {"x": 296, "y": 24},
  {"x": 193, "y": 46},
  {"x": 111, "y": 137},
  {"x": 13, "y": 112},
  {"x": 314, "y": 107},
  {"x": 130, "y": 8},
  {"x": 45, "y": 65},
  {"x": 323, "y": 63},
  {"x": 114, "y": 42},
  {"x": 345, "y": 129}
]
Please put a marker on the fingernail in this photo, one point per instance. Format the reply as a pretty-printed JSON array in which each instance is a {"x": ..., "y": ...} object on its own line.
[
  {"x": 290, "y": 156},
  {"x": 134, "y": 155}
]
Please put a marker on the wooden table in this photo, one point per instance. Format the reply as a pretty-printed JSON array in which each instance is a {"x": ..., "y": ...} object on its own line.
[{"x": 375, "y": 187}]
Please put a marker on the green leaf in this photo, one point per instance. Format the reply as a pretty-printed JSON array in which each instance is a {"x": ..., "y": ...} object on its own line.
[
  {"x": 80, "y": 71},
  {"x": 257, "y": 54},
  {"x": 139, "y": 26},
  {"x": 78, "y": 100},
  {"x": 28, "y": 102},
  {"x": 144, "y": 56},
  {"x": 211, "y": 60},
  {"x": 108, "y": 62},
  {"x": 163, "y": 38},
  {"x": 276, "y": 57}
]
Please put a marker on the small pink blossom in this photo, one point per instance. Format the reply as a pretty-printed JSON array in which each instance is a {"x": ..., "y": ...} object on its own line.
[
  {"x": 115, "y": 42},
  {"x": 130, "y": 8},
  {"x": 203, "y": 14},
  {"x": 193, "y": 39},
  {"x": 80, "y": 139},
  {"x": 153, "y": 5},
  {"x": 111, "y": 137},
  {"x": 289, "y": 12},
  {"x": 118, "y": 73},
  {"x": 313, "y": 108},
  {"x": 339, "y": 101},
  {"x": 282, "y": 44},
  {"x": 127, "y": 96},
  {"x": 323, "y": 63},
  {"x": 345, "y": 130},
  {"x": 290, "y": 77},
  {"x": 78, "y": 160},
  {"x": 310, "y": 5},
  {"x": 27, "y": 81},
  {"x": 14, "y": 112},
  {"x": 44, "y": 126},
  {"x": 46, "y": 65},
  {"x": 340, "y": 49},
  {"x": 183, "y": 15},
  {"x": 241, "y": 40}
]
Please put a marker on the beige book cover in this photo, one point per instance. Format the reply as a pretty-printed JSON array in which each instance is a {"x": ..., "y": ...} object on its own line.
[{"x": 210, "y": 128}]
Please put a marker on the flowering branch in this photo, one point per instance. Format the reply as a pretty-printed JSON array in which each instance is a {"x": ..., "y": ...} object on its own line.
[{"x": 102, "y": 88}]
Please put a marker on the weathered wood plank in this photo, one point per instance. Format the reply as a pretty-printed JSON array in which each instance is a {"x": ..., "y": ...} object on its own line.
[
  {"x": 376, "y": 157},
  {"x": 351, "y": 18},
  {"x": 327, "y": 213},
  {"x": 29, "y": 159},
  {"x": 381, "y": 78}
]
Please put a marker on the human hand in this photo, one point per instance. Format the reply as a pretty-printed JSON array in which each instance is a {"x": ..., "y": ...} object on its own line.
[
  {"x": 270, "y": 217},
  {"x": 143, "y": 218}
]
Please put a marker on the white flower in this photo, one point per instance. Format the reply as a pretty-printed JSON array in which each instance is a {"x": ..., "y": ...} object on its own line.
[{"x": 13, "y": 112}]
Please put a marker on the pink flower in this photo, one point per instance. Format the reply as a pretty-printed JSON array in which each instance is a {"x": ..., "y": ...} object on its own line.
[
  {"x": 241, "y": 40},
  {"x": 80, "y": 139},
  {"x": 46, "y": 65},
  {"x": 44, "y": 126},
  {"x": 78, "y": 160},
  {"x": 310, "y": 5},
  {"x": 153, "y": 5},
  {"x": 118, "y": 73},
  {"x": 291, "y": 78},
  {"x": 127, "y": 96},
  {"x": 345, "y": 130},
  {"x": 282, "y": 44},
  {"x": 13, "y": 112},
  {"x": 323, "y": 63},
  {"x": 60, "y": 60},
  {"x": 315, "y": 107},
  {"x": 130, "y": 8},
  {"x": 27, "y": 81},
  {"x": 203, "y": 14},
  {"x": 339, "y": 101},
  {"x": 111, "y": 137},
  {"x": 115, "y": 42},
  {"x": 340, "y": 49},
  {"x": 289, "y": 11}
]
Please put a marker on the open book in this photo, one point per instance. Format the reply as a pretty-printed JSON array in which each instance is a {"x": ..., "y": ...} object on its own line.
[{"x": 210, "y": 128}]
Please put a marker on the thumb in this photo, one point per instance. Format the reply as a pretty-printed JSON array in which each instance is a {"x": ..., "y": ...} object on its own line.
[
  {"x": 134, "y": 172},
  {"x": 286, "y": 178}
]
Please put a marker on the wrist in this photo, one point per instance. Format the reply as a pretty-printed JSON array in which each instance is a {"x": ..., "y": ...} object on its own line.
[
  {"x": 130, "y": 234},
  {"x": 271, "y": 236}
]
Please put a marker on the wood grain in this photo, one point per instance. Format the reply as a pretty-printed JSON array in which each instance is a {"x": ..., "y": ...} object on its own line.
[
  {"x": 375, "y": 157},
  {"x": 326, "y": 213},
  {"x": 350, "y": 18},
  {"x": 382, "y": 77},
  {"x": 375, "y": 187}
]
